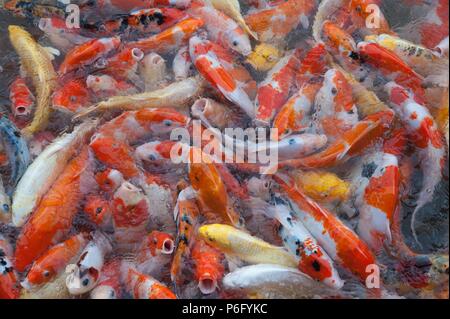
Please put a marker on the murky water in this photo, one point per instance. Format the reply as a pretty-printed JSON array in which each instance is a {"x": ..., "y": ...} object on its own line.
[{"x": 433, "y": 222}]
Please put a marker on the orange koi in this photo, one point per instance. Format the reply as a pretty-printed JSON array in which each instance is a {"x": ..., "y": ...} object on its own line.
[{"x": 53, "y": 217}]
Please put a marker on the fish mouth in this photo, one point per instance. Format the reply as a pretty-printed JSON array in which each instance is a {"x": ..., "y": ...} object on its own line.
[
  {"x": 168, "y": 247},
  {"x": 207, "y": 284},
  {"x": 137, "y": 54}
]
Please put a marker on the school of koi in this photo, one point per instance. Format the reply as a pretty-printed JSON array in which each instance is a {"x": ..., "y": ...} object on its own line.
[{"x": 92, "y": 204}]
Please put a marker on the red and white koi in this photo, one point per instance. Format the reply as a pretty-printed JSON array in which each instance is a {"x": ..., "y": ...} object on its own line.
[
  {"x": 274, "y": 91},
  {"x": 340, "y": 243},
  {"x": 142, "y": 286},
  {"x": 210, "y": 67},
  {"x": 170, "y": 39},
  {"x": 130, "y": 211},
  {"x": 335, "y": 110},
  {"x": 274, "y": 23},
  {"x": 111, "y": 144},
  {"x": 155, "y": 254},
  {"x": 376, "y": 184},
  {"x": 123, "y": 65},
  {"x": 85, "y": 274},
  {"x": 312, "y": 259},
  {"x": 21, "y": 97},
  {"x": 294, "y": 116},
  {"x": 72, "y": 97},
  {"x": 99, "y": 211},
  {"x": 53, "y": 262},
  {"x": 222, "y": 29},
  {"x": 87, "y": 53},
  {"x": 109, "y": 285},
  {"x": 427, "y": 138}
]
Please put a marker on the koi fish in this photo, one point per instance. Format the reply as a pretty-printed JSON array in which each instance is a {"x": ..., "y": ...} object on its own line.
[
  {"x": 274, "y": 91},
  {"x": 207, "y": 182},
  {"x": 264, "y": 57},
  {"x": 130, "y": 212},
  {"x": 159, "y": 193},
  {"x": 153, "y": 71},
  {"x": 335, "y": 111},
  {"x": 5, "y": 204},
  {"x": 9, "y": 285},
  {"x": 272, "y": 281},
  {"x": 53, "y": 216},
  {"x": 232, "y": 9},
  {"x": 238, "y": 243},
  {"x": 114, "y": 150},
  {"x": 170, "y": 39},
  {"x": 313, "y": 260},
  {"x": 123, "y": 65},
  {"x": 273, "y": 24},
  {"x": 155, "y": 253},
  {"x": 45, "y": 170},
  {"x": 340, "y": 243},
  {"x": 87, "y": 53},
  {"x": 109, "y": 180},
  {"x": 321, "y": 186},
  {"x": 62, "y": 37},
  {"x": 215, "y": 114},
  {"x": 85, "y": 273},
  {"x": 154, "y": 20},
  {"x": 427, "y": 138},
  {"x": 186, "y": 214},
  {"x": 142, "y": 286},
  {"x": 182, "y": 64},
  {"x": 211, "y": 68},
  {"x": 127, "y": 5},
  {"x": 99, "y": 211},
  {"x": 22, "y": 100},
  {"x": 109, "y": 285},
  {"x": 105, "y": 86},
  {"x": 177, "y": 95},
  {"x": 53, "y": 262},
  {"x": 209, "y": 269},
  {"x": 16, "y": 148},
  {"x": 222, "y": 29},
  {"x": 426, "y": 62},
  {"x": 294, "y": 115},
  {"x": 72, "y": 97},
  {"x": 376, "y": 191},
  {"x": 39, "y": 67}
]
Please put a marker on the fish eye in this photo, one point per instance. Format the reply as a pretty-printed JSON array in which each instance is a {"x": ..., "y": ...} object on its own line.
[
  {"x": 358, "y": 9},
  {"x": 334, "y": 91},
  {"x": 85, "y": 282},
  {"x": 73, "y": 98},
  {"x": 98, "y": 210},
  {"x": 235, "y": 43},
  {"x": 167, "y": 122},
  {"x": 5, "y": 207},
  {"x": 152, "y": 157},
  {"x": 46, "y": 273}
]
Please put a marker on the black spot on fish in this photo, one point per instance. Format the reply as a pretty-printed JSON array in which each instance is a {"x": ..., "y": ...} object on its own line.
[
  {"x": 316, "y": 265},
  {"x": 354, "y": 56},
  {"x": 159, "y": 18},
  {"x": 368, "y": 170},
  {"x": 17, "y": 134}
]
